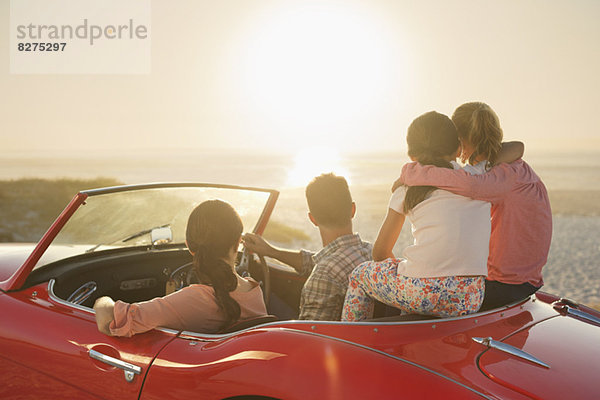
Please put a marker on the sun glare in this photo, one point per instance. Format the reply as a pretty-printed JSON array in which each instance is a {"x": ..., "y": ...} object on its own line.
[
  {"x": 314, "y": 69},
  {"x": 311, "y": 162}
]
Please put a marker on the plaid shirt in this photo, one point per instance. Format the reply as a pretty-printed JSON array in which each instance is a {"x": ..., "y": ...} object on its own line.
[{"x": 325, "y": 289}]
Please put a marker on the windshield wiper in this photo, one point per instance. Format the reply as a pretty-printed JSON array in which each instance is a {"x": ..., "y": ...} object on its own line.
[
  {"x": 130, "y": 237},
  {"x": 142, "y": 233}
]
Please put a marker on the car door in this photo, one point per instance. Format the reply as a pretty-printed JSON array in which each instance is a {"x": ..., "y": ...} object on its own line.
[{"x": 52, "y": 349}]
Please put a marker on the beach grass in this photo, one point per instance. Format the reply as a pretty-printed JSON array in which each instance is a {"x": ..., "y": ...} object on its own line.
[
  {"x": 281, "y": 233},
  {"x": 29, "y": 206}
]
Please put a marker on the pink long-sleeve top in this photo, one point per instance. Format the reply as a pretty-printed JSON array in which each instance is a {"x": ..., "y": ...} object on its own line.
[
  {"x": 521, "y": 215},
  {"x": 193, "y": 308}
]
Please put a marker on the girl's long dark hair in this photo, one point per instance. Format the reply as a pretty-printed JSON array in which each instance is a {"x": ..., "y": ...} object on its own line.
[
  {"x": 213, "y": 229},
  {"x": 430, "y": 137}
]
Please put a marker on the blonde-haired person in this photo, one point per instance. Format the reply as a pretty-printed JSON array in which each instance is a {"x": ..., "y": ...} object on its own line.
[{"x": 521, "y": 216}]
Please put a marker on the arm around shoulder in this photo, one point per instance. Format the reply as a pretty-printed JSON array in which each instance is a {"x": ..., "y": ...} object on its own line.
[
  {"x": 457, "y": 181},
  {"x": 490, "y": 186}
]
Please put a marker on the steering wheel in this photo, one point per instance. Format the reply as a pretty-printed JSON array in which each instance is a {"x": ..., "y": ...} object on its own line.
[
  {"x": 186, "y": 275},
  {"x": 82, "y": 293},
  {"x": 243, "y": 269},
  {"x": 183, "y": 276}
]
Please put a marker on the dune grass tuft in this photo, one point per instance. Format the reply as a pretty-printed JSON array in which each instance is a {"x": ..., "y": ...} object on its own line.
[
  {"x": 284, "y": 234},
  {"x": 29, "y": 206}
]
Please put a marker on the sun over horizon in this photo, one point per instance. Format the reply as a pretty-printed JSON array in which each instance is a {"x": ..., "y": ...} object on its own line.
[{"x": 287, "y": 77}]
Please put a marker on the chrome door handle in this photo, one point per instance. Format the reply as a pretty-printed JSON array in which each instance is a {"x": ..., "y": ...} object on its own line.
[{"x": 130, "y": 370}]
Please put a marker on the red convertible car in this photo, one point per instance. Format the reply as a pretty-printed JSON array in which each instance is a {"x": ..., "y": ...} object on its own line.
[{"x": 128, "y": 242}]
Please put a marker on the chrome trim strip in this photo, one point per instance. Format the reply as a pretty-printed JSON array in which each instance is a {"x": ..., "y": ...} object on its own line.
[
  {"x": 162, "y": 185},
  {"x": 57, "y": 299},
  {"x": 60, "y": 301},
  {"x": 582, "y": 314},
  {"x": 277, "y": 324},
  {"x": 507, "y": 348}
]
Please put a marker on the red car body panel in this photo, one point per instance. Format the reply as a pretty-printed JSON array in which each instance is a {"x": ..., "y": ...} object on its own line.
[
  {"x": 565, "y": 376},
  {"x": 444, "y": 346},
  {"x": 50, "y": 344},
  {"x": 289, "y": 364}
]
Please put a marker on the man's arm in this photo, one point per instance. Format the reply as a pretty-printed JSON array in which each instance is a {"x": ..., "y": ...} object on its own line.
[
  {"x": 490, "y": 186},
  {"x": 258, "y": 245},
  {"x": 511, "y": 151}
]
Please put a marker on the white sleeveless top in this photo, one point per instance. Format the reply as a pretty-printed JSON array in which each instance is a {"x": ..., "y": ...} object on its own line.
[{"x": 451, "y": 233}]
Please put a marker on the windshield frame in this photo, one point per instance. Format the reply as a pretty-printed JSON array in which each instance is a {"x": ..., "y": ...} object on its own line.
[
  {"x": 17, "y": 280},
  {"x": 258, "y": 228}
]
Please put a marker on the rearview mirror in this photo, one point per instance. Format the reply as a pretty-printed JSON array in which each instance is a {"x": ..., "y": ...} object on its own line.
[{"x": 161, "y": 236}]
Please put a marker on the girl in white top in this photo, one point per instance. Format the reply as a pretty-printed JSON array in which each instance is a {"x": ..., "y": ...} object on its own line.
[{"x": 443, "y": 272}]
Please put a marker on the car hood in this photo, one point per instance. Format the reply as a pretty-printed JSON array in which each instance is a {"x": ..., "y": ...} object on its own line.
[
  {"x": 13, "y": 255},
  {"x": 568, "y": 348}
]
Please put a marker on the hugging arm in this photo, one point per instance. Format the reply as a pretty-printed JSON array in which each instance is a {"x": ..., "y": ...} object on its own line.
[
  {"x": 388, "y": 235},
  {"x": 491, "y": 186}
]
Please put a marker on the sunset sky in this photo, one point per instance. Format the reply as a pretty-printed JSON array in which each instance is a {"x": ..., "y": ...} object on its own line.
[{"x": 351, "y": 75}]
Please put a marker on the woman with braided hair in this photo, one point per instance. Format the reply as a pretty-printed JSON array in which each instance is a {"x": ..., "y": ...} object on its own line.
[
  {"x": 222, "y": 298},
  {"x": 521, "y": 216}
]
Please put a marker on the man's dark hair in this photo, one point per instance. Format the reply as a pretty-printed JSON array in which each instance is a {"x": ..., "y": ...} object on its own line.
[{"x": 329, "y": 200}]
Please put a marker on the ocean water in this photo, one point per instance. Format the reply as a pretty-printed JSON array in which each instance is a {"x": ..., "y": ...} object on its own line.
[
  {"x": 559, "y": 171},
  {"x": 572, "y": 268}
]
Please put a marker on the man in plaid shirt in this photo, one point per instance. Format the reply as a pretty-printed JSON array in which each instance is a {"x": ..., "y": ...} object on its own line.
[{"x": 331, "y": 209}]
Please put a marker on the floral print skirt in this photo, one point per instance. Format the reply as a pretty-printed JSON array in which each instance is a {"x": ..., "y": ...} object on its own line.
[{"x": 447, "y": 296}]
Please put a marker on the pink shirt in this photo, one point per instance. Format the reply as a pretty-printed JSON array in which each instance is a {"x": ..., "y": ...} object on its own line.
[
  {"x": 521, "y": 215},
  {"x": 192, "y": 308}
]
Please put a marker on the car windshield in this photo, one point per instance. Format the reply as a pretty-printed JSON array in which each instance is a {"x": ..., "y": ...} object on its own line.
[{"x": 147, "y": 216}]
